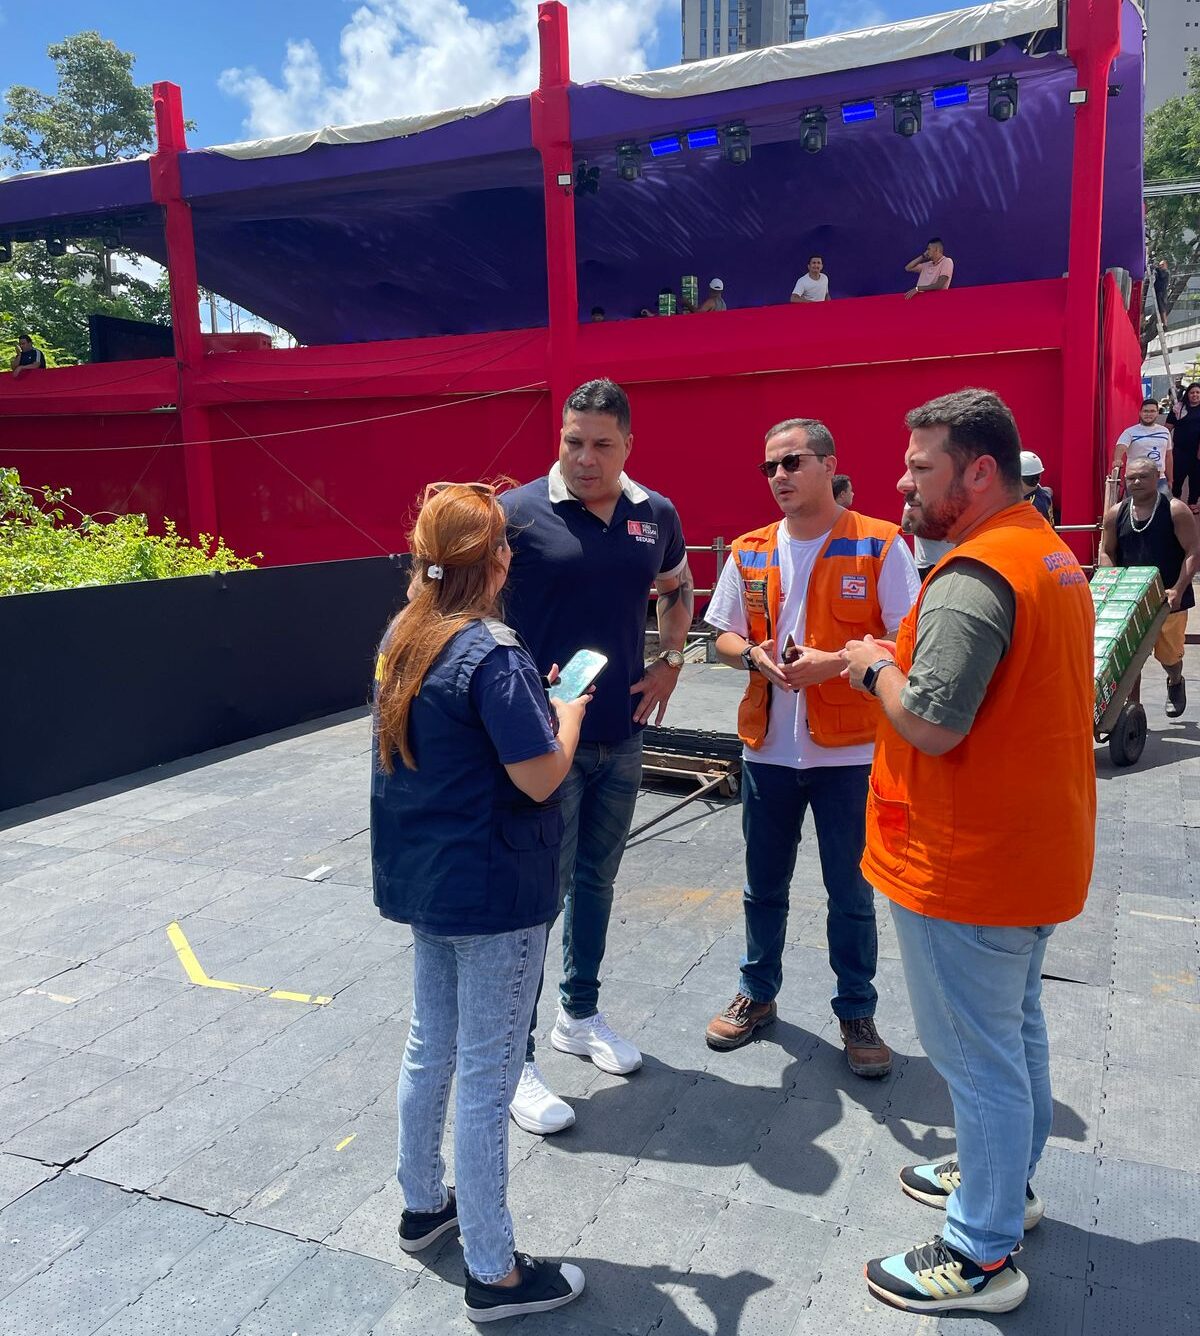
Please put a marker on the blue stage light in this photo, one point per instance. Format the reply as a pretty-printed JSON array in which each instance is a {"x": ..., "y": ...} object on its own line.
[
  {"x": 952, "y": 95},
  {"x": 665, "y": 144},
  {"x": 702, "y": 138},
  {"x": 853, "y": 112}
]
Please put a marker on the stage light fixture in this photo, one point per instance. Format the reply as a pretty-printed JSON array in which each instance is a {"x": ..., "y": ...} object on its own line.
[
  {"x": 56, "y": 246},
  {"x": 906, "y": 114},
  {"x": 587, "y": 180},
  {"x": 1002, "y": 97},
  {"x": 664, "y": 144},
  {"x": 735, "y": 143},
  {"x": 703, "y": 138},
  {"x": 814, "y": 130},
  {"x": 853, "y": 112},
  {"x": 629, "y": 161},
  {"x": 952, "y": 95},
  {"x": 6, "y": 250}
]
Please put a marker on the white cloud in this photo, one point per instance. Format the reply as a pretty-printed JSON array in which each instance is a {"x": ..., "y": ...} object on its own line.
[{"x": 406, "y": 57}]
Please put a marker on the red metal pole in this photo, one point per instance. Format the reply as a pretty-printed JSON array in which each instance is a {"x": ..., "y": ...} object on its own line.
[
  {"x": 185, "y": 305},
  {"x": 550, "y": 109},
  {"x": 1093, "y": 40}
]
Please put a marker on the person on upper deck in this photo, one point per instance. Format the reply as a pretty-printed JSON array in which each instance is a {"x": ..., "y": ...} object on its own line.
[
  {"x": 28, "y": 358},
  {"x": 715, "y": 301},
  {"x": 933, "y": 267},
  {"x": 812, "y": 286}
]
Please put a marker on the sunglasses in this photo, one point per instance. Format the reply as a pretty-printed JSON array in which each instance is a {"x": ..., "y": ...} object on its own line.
[
  {"x": 479, "y": 488},
  {"x": 789, "y": 463}
]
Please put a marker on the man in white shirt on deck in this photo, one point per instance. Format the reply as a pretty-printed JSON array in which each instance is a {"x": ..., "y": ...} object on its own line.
[
  {"x": 813, "y": 286},
  {"x": 1146, "y": 439}
]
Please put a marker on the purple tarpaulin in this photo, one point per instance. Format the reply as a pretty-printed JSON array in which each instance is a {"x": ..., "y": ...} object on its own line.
[{"x": 443, "y": 231}]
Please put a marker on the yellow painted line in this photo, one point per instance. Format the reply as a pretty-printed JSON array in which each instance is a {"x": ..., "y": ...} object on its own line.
[
  {"x": 196, "y": 973},
  {"x": 1165, "y": 918},
  {"x": 54, "y": 997},
  {"x": 345, "y": 1141}
]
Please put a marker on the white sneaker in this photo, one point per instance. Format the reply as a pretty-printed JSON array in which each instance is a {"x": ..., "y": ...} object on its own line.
[
  {"x": 536, "y": 1108},
  {"x": 594, "y": 1038}
]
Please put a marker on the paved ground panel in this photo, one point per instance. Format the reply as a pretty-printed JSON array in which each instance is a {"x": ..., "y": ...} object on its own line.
[{"x": 200, "y": 1158}]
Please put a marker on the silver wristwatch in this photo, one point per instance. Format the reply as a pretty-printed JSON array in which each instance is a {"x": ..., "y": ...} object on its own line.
[{"x": 673, "y": 658}]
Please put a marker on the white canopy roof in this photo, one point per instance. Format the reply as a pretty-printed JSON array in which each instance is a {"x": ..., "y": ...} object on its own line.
[{"x": 858, "y": 49}]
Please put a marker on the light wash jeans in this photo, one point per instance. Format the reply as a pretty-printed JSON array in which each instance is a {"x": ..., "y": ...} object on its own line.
[
  {"x": 472, "y": 999},
  {"x": 976, "y": 994},
  {"x": 598, "y": 797}
]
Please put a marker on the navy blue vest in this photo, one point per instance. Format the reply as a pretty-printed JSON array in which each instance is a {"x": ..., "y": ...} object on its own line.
[{"x": 456, "y": 847}]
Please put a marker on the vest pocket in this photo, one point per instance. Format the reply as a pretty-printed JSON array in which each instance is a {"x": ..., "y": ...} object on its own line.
[
  {"x": 525, "y": 857},
  {"x": 887, "y": 830}
]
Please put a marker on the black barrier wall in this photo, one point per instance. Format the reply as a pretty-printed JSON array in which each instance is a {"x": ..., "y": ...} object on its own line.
[{"x": 104, "y": 681}]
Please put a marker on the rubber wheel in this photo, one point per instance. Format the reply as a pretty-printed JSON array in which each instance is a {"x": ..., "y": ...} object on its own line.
[{"x": 1127, "y": 741}]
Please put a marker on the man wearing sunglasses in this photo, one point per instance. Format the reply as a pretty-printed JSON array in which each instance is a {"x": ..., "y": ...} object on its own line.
[{"x": 791, "y": 596}]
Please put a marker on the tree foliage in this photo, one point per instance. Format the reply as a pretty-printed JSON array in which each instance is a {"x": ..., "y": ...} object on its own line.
[
  {"x": 40, "y": 548},
  {"x": 97, "y": 114},
  {"x": 1172, "y": 153},
  {"x": 52, "y": 299}
]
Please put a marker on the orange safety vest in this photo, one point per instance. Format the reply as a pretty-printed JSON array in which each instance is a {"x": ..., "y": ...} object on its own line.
[
  {"x": 840, "y": 604},
  {"x": 1000, "y": 831}
]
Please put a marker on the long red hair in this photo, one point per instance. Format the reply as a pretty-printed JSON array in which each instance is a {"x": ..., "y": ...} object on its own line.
[{"x": 461, "y": 529}]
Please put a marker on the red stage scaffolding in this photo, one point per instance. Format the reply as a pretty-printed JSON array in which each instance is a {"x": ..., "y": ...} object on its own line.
[{"x": 317, "y": 452}]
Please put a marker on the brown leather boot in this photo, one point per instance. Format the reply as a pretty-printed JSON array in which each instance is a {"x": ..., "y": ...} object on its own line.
[
  {"x": 738, "y": 1022},
  {"x": 866, "y": 1053}
]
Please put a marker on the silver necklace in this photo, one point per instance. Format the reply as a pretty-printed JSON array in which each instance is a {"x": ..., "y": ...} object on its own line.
[{"x": 1133, "y": 524}]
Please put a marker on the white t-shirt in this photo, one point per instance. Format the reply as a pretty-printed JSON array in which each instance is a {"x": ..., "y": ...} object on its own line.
[
  {"x": 812, "y": 289},
  {"x": 929, "y": 551},
  {"x": 788, "y": 741},
  {"x": 1146, "y": 443}
]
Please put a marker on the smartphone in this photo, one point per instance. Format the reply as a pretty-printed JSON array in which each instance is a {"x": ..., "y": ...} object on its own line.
[
  {"x": 581, "y": 671},
  {"x": 791, "y": 651}
]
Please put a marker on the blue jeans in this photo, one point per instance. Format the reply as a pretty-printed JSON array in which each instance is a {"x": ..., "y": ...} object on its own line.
[
  {"x": 775, "y": 799},
  {"x": 472, "y": 997},
  {"x": 976, "y": 995},
  {"x": 598, "y": 798}
]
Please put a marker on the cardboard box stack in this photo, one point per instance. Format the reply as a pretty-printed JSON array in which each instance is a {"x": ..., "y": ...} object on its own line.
[
  {"x": 1127, "y": 600},
  {"x": 666, "y": 303},
  {"x": 690, "y": 287}
]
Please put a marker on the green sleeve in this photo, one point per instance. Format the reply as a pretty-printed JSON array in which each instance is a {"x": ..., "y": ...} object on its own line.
[{"x": 964, "y": 630}]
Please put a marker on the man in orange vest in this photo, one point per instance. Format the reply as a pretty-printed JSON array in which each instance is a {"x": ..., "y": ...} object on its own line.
[
  {"x": 790, "y": 597},
  {"x": 981, "y": 843}
]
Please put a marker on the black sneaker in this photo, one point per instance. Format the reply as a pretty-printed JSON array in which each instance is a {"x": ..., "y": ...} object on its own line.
[
  {"x": 933, "y": 1184},
  {"x": 418, "y": 1229},
  {"x": 1176, "y": 698},
  {"x": 936, "y": 1278},
  {"x": 543, "y": 1285}
]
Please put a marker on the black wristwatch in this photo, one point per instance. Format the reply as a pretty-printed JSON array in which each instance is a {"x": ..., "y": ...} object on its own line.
[
  {"x": 871, "y": 676},
  {"x": 747, "y": 661}
]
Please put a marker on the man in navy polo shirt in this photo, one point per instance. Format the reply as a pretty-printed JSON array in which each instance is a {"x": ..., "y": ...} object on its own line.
[{"x": 587, "y": 543}]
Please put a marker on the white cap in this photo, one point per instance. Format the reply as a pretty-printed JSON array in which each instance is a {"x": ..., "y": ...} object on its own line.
[
  {"x": 1030, "y": 464},
  {"x": 717, "y": 286}
]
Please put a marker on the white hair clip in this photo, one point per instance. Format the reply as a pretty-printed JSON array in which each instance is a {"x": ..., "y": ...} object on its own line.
[{"x": 434, "y": 572}]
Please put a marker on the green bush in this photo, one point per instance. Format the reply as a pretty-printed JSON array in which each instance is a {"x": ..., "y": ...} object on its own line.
[{"x": 41, "y": 549}]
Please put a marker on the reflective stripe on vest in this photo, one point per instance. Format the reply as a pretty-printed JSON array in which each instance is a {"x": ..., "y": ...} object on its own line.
[
  {"x": 841, "y": 603},
  {"x": 1001, "y": 829}
]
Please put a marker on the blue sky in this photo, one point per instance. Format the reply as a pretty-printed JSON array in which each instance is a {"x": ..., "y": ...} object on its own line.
[{"x": 259, "y": 67}]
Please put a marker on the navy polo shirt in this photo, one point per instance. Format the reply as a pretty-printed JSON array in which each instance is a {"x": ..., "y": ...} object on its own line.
[{"x": 578, "y": 583}]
